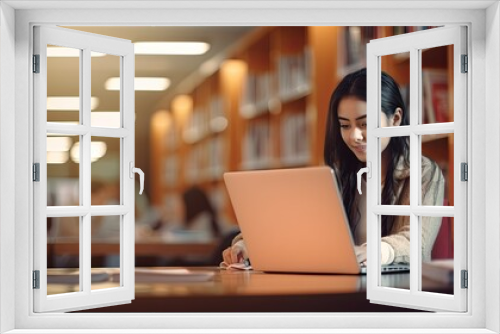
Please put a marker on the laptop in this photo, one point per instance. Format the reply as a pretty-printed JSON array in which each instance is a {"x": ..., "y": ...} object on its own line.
[{"x": 293, "y": 220}]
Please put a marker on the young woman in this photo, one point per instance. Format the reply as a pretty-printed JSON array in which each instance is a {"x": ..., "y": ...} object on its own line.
[{"x": 345, "y": 152}]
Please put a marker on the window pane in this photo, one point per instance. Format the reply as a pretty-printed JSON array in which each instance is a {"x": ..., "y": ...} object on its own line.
[
  {"x": 438, "y": 268},
  {"x": 391, "y": 225},
  {"x": 395, "y": 90},
  {"x": 105, "y": 249},
  {"x": 63, "y": 84},
  {"x": 395, "y": 170},
  {"x": 63, "y": 172},
  {"x": 437, "y": 85},
  {"x": 106, "y": 85},
  {"x": 439, "y": 149},
  {"x": 105, "y": 169},
  {"x": 63, "y": 254}
]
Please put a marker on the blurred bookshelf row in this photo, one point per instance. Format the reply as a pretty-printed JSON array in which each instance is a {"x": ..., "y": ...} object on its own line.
[{"x": 266, "y": 107}]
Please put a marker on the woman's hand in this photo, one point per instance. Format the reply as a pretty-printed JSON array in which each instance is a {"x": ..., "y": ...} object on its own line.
[
  {"x": 361, "y": 253},
  {"x": 386, "y": 253},
  {"x": 237, "y": 253}
]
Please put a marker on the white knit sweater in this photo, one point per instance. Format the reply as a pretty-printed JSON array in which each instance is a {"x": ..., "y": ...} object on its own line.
[{"x": 396, "y": 246}]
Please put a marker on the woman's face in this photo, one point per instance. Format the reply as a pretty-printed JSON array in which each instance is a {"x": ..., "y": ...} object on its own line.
[{"x": 352, "y": 119}]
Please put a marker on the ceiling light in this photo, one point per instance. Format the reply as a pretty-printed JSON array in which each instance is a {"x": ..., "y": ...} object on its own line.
[
  {"x": 69, "y": 52},
  {"x": 182, "y": 105},
  {"x": 161, "y": 121},
  {"x": 234, "y": 68},
  {"x": 171, "y": 48},
  {"x": 68, "y": 103},
  {"x": 57, "y": 157},
  {"x": 75, "y": 153},
  {"x": 49, "y": 134},
  {"x": 105, "y": 119},
  {"x": 55, "y": 144},
  {"x": 144, "y": 83},
  {"x": 66, "y": 122},
  {"x": 97, "y": 151}
]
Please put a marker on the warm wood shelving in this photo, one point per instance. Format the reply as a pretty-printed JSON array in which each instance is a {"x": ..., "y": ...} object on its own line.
[{"x": 266, "y": 107}]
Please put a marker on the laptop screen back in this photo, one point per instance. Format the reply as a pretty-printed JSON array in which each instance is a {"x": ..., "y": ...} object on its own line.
[{"x": 293, "y": 220}]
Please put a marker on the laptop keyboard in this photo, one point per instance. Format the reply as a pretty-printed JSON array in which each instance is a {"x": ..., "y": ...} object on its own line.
[{"x": 389, "y": 268}]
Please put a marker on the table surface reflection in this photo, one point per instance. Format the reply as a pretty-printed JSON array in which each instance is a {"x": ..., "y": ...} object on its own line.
[{"x": 249, "y": 291}]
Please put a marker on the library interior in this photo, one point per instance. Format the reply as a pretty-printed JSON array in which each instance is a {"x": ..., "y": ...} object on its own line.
[{"x": 242, "y": 98}]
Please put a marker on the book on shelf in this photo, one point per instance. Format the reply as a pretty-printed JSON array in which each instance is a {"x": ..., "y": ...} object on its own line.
[
  {"x": 295, "y": 148},
  {"x": 404, "y": 89},
  {"x": 294, "y": 74},
  {"x": 197, "y": 126},
  {"x": 352, "y": 48},
  {"x": 264, "y": 89},
  {"x": 197, "y": 163},
  {"x": 353, "y": 44},
  {"x": 216, "y": 107},
  {"x": 216, "y": 159},
  {"x": 172, "y": 137},
  {"x": 353, "y": 41},
  {"x": 218, "y": 120},
  {"x": 171, "y": 172},
  {"x": 398, "y": 30},
  {"x": 257, "y": 143},
  {"x": 248, "y": 96},
  {"x": 435, "y": 95},
  {"x": 260, "y": 163},
  {"x": 258, "y": 90}
]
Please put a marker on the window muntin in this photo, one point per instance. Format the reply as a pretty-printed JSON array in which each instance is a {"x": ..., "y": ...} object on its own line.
[
  {"x": 416, "y": 209},
  {"x": 114, "y": 320},
  {"x": 92, "y": 212}
]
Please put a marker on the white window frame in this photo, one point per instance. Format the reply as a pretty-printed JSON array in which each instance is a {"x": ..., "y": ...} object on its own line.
[
  {"x": 85, "y": 298},
  {"x": 483, "y": 210},
  {"x": 414, "y": 43}
]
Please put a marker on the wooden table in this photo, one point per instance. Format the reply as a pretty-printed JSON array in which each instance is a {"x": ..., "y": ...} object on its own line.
[{"x": 254, "y": 291}]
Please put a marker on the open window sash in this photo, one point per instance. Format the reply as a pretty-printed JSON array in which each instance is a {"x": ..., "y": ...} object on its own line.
[
  {"x": 83, "y": 297},
  {"x": 414, "y": 44}
]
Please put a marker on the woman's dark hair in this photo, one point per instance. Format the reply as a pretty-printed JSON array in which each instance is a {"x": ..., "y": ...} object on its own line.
[
  {"x": 338, "y": 155},
  {"x": 196, "y": 202}
]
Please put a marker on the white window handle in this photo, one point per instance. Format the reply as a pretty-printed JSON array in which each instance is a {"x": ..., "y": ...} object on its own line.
[
  {"x": 366, "y": 170},
  {"x": 133, "y": 170}
]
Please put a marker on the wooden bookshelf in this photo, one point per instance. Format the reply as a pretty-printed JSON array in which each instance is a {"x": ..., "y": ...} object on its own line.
[{"x": 266, "y": 107}]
